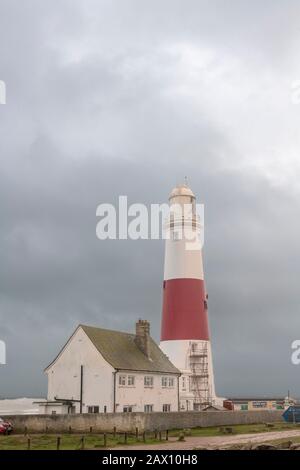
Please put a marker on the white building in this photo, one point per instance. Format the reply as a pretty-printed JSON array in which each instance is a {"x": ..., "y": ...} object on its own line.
[{"x": 100, "y": 370}]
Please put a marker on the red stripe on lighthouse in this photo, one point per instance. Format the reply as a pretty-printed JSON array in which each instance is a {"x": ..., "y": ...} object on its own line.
[{"x": 184, "y": 310}]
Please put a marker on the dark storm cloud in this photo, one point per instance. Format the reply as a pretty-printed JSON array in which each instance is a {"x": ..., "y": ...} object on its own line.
[{"x": 108, "y": 98}]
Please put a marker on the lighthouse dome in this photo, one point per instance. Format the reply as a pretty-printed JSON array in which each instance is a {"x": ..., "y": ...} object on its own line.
[{"x": 181, "y": 190}]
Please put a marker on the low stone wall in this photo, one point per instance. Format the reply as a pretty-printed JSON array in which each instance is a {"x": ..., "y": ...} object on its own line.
[
  {"x": 161, "y": 421},
  {"x": 128, "y": 422}
]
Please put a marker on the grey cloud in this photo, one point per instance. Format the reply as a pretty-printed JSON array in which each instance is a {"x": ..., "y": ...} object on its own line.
[{"x": 96, "y": 109}]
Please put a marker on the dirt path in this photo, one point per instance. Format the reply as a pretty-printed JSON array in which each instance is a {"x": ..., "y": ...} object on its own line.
[{"x": 215, "y": 441}]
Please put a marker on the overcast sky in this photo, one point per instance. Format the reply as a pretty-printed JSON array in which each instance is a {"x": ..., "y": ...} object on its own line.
[{"x": 109, "y": 98}]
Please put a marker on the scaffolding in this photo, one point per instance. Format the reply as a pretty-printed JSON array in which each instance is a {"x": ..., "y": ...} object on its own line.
[{"x": 199, "y": 378}]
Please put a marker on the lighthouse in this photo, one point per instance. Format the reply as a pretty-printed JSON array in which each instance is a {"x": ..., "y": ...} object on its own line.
[{"x": 185, "y": 335}]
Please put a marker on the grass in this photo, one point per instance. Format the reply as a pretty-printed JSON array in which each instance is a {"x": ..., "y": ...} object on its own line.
[
  {"x": 67, "y": 441},
  {"x": 236, "y": 429},
  {"x": 96, "y": 441}
]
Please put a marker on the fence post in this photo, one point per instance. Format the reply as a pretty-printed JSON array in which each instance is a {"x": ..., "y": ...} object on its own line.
[
  {"x": 28, "y": 443},
  {"x": 58, "y": 443},
  {"x": 115, "y": 431},
  {"x": 82, "y": 443},
  {"x": 136, "y": 433},
  {"x": 91, "y": 428},
  {"x": 167, "y": 435},
  {"x": 70, "y": 429},
  {"x": 104, "y": 440},
  {"x": 125, "y": 437}
]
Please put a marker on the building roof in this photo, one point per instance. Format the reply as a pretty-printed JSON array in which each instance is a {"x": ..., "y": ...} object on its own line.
[
  {"x": 214, "y": 408},
  {"x": 121, "y": 352},
  {"x": 245, "y": 399}
]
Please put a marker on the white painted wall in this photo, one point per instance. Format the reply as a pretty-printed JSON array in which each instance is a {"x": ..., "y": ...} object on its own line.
[
  {"x": 64, "y": 374},
  {"x": 53, "y": 409},
  {"x": 181, "y": 262},
  {"x": 138, "y": 395}
]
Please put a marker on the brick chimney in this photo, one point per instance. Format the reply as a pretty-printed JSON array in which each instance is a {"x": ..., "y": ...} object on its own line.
[{"x": 142, "y": 336}]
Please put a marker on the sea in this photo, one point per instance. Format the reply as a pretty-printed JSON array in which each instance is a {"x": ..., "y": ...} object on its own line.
[{"x": 19, "y": 406}]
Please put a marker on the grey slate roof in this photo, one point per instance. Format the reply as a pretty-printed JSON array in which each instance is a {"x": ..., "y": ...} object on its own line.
[{"x": 121, "y": 352}]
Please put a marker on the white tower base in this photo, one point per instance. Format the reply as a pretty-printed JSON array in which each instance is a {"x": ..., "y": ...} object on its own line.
[{"x": 194, "y": 360}]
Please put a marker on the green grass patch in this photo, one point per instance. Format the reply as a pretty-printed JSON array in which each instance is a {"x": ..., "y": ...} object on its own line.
[
  {"x": 68, "y": 441},
  {"x": 96, "y": 441},
  {"x": 236, "y": 429}
]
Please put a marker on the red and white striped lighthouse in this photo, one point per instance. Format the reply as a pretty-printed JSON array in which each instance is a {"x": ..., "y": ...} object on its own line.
[{"x": 184, "y": 329}]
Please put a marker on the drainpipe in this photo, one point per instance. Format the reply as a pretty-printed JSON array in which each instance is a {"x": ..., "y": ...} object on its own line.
[
  {"x": 114, "y": 391},
  {"x": 81, "y": 388},
  {"x": 178, "y": 398}
]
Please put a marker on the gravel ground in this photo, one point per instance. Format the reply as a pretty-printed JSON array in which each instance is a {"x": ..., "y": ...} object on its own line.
[{"x": 214, "y": 442}]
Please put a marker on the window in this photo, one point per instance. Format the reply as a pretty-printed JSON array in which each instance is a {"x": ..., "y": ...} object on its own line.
[
  {"x": 167, "y": 382},
  {"x": 164, "y": 381},
  {"x": 166, "y": 408},
  {"x": 176, "y": 236},
  {"x": 53, "y": 412},
  {"x": 126, "y": 380},
  {"x": 131, "y": 380},
  {"x": 122, "y": 379},
  {"x": 127, "y": 409},
  {"x": 148, "y": 381},
  {"x": 105, "y": 409},
  {"x": 93, "y": 409},
  {"x": 193, "y": 384},
  {"x": 148, "y": 408},
  {"x": 183, "y": 383}
]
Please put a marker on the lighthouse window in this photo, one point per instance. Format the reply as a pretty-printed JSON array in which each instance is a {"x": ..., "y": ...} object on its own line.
[{"x": 176, "y": 236}]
